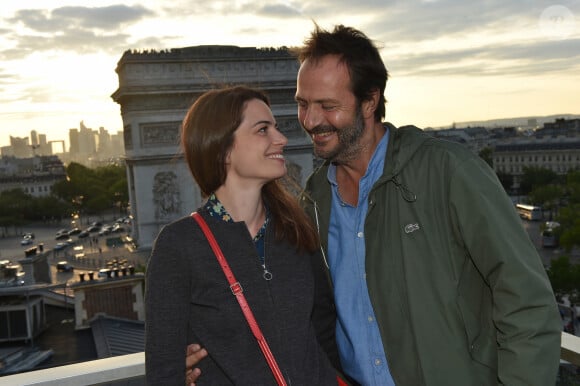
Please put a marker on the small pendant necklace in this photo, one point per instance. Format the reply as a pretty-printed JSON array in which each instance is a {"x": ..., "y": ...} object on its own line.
[
  {"x": 267, "y": 275},
  {"x": 260, "y": 243}
]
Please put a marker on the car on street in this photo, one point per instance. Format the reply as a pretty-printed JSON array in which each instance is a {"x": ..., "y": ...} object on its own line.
[
  {"x": 104, "y": 272},
  {"x": 74, "y": 231},
  {"x": 60, "y": 246},
  {"x": 105, "y": 230},
  {"x": 93, "y": 228},
  {"x": 26, "y": 240},
  {"x": 83, "y": 234},
  {"x": 61, "y": 234},
  {"x": 64, "y": 266},
  {"x": 549, "y": 233},
  {"x": 118, "y": 228},
  {"x": 63, "y": 245}
]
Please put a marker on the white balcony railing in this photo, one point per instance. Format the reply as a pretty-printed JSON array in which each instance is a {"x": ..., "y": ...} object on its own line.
[
  {"x": 570, "y": 351},
  {"x": 133, "y": 366},
  {"x": 84, "y": 373}
]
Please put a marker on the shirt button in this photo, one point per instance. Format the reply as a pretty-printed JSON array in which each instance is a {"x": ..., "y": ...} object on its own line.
[
  {"x": 377, "y": 362},
  {"x": 360, "y": 235},
  {"x": 370, "y": 318}
]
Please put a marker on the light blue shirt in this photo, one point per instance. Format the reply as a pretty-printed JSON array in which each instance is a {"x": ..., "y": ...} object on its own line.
[{"x": 357, "y": 334}]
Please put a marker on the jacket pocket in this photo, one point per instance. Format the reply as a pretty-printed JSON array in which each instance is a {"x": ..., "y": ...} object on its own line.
[{"x": 480, "y": 335}]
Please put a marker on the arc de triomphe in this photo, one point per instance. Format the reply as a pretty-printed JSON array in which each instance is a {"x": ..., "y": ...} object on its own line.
[{"x": 155, "y": 90}]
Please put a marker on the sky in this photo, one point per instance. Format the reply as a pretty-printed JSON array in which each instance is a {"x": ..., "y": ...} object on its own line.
[{"x": 449, "y": 60}]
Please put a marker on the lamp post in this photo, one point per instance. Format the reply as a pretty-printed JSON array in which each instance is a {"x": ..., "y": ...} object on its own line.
[{"x": 77, "y": 202}]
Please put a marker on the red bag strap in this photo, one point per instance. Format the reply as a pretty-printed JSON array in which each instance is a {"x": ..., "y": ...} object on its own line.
[{"x": 238, "y": 292}]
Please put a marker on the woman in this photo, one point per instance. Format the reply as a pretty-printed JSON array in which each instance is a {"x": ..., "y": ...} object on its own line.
[{"x": 235, "y": 153}]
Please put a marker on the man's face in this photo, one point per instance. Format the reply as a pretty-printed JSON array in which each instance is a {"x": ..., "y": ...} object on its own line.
[{"x": 328, "y": 110}]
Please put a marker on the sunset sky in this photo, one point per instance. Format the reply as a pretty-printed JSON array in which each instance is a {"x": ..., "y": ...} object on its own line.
[{"x": 449, "y": 60}]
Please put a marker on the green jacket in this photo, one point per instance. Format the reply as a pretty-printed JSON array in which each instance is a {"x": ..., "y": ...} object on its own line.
[{"x": 459, "y": 291}]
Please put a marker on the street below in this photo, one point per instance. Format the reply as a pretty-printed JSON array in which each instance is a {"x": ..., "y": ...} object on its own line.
[
  {"x": 85, "y": 255},
  {"x": 96, "y": 253}
]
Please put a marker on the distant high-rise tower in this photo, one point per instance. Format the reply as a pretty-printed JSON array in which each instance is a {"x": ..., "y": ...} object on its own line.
[
  {"x": 87, "y": 141},
  {"x": 73, "y": 137},
  {"x": 104, "y": 145},
  {"x": 34, "y": 138}
]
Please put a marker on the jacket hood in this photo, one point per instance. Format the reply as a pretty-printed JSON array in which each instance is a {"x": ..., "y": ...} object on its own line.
[{"x": 404, "y": 142}]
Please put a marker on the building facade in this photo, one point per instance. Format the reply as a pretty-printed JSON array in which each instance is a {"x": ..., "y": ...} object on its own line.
[
  {"x": 155, "y": 91},
  {"x": 559, "y": 155},
  {"x": 555, "y": 146},
  {"x": 35, "y": 175}
]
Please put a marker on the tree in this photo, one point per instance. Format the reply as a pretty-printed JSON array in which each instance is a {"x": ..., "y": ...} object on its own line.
[
  {"x": 486, "y": 154},
  {"x": 548, "y": 197},
  {"x": 51, "y": 207},
  {"x": 94, "y": 190},
  {"x": 506, "y": 180},
  {"x": 569, "y": 219},
  {"x": 14, "y": 209},
  {"x": 564, "y": 276},
  {"x": 534, "y": 177},
  {"x": 569, "y": 214},
  {"x": 573, "y": 186},
  {"x": 84, "y": 190},
  {"x": 77, "y": 183}
]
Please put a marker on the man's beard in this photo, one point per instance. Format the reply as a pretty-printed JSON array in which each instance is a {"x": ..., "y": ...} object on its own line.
[{"x": 349, "y": 146}]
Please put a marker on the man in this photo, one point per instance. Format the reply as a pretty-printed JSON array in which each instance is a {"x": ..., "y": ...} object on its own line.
[{"x": 435, "y": 280}]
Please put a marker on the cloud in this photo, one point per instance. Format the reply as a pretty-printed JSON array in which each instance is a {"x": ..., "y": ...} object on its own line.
[
  {"x": 69, "y": 18},
  {"x": 506, "y": 59},
  {"x": 406, "y": 30},
  {"x": 278, "y": 10},
  {"x": 422, "y": 20},
  {"x": 452, "y": 37},
  {"x": 105, "y": 18},
  {"x": 7, "y": 78},
  {"x": 76, "y": 29}
]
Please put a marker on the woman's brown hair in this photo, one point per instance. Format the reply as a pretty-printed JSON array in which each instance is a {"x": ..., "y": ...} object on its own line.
[{"x": 207, "y": 136}]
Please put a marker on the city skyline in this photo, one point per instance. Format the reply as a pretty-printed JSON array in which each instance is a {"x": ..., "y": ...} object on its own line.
[
  {"x": 450, "y": 61},
  {"x": 78, "y": 140},
  {"x": 522, "y": 122}
]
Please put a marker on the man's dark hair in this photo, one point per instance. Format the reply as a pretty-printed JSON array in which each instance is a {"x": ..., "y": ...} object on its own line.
[{"x": 365, "y": 65}]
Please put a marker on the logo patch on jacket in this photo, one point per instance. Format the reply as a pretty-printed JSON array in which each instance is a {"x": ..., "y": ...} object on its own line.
[{"x": 409, "y": 228}]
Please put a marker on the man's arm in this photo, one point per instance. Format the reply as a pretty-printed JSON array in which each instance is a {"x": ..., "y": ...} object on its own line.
[{"x": 524, "y": 308}]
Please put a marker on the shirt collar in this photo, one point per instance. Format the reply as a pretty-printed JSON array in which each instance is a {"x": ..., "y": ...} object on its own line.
[{"x": 217, "y": 210}]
